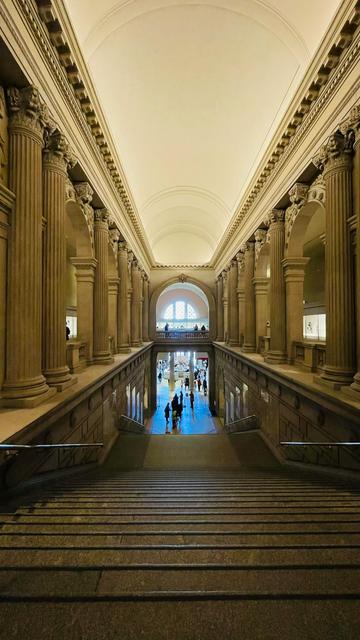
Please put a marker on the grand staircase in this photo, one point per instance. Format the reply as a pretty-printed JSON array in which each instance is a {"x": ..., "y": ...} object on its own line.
[{"x": 183, "y": 552}]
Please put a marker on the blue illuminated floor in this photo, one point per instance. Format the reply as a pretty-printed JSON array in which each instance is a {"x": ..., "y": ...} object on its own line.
[{"x": 199, "y": 421}]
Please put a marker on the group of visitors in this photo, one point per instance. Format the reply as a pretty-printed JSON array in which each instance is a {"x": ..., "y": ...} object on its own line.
[
  {"x": 196, "y": 327},
  {"x": 176, "y": 409}
]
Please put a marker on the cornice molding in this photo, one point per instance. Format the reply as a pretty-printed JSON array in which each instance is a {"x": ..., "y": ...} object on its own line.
[
  {"x": 49, "y": 33},
  {"x": 321, "y": 85},
  {"x": 176, "y": 267}
]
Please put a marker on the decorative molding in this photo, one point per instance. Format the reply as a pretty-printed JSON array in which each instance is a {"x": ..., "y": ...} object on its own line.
[{"x": 46, "y": 28}]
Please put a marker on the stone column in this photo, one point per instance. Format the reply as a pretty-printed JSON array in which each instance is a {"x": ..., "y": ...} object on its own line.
[
  {"x": 233, "y": 305},
  {"x": 261, "y": 286},
  {"x": 122, "y": 315},
  {"x": 85, "y": 278},
  {"x": 172, "y": 370},
  {"x": 191, "y": 370},
  {"x": 129, "y": 294},
  {"x": 135, "y": 304},
  {"x": 225, "y": 300},
  {"x": 294, "y": 270},
  {"x": 277, "y": 351},
  {"x": 146, "y": 310},
  {"x": 219, "y": 310},
  {"x": 24, "y": 385},
  {"x": 102, "y": 353},
  {"x": 55, "y": 160},
  {"x": 250, "y": 317},
  {"x": 241, "y": 295},
  {"x": 141, "y": 306},
  {"x": 355, "y": 124},
  {"x": 336, "y": 158},
  {"x": 113, "y": 284}
]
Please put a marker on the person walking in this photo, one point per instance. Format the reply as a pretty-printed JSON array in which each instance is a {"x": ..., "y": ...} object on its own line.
[
  {"x": 205, "y": 386},
  {"x": 167, "y": 413},
  {"x": 199, "y": 383},
  {"x": 175, "y": 402},
  {"x": 192, "y": 400}
]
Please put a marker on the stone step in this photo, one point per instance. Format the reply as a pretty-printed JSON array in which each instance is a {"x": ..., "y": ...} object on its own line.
[
  {"x": 237, "y": 541},
  {"x": 198, "y": 502},
  {"x": 186, "y": 618},
  {"x": 274, "y": 582},
  {"x": 182, "y": 528},
  {"x": 43, "y": 559},
  {"x": 193, "y": 510}
]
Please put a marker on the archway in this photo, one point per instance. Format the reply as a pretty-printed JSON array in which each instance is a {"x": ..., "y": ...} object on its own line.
[{"x": 198, "y": 306}]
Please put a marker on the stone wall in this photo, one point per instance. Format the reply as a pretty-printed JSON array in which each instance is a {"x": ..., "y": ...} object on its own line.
[{"x": 288, "y": 411}]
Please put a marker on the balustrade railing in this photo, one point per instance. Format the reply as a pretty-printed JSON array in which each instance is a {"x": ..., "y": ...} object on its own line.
[{"x": 182, "y": 334}]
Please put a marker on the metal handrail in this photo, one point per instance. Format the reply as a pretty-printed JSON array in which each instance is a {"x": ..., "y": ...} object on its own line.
[
  {"x": 320, "y": 444},
  {"x": 228, "y": 424},
  {"x": 124, "y": 417},
  {"x": 20, "y": 447}
]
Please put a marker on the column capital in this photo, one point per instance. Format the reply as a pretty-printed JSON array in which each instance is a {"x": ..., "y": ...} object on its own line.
[
  {"x": 101, "y": 217},
  {"x": 57, "y": 152},
  {"x": 84, "y": 192},
  {"x": 27, "y": 110},
  {"x": 85, "y": 268},
  {"x": 336, "y": 152},
  {"x": 354, "y": 123},
  {"x": 277, "y": 216}
]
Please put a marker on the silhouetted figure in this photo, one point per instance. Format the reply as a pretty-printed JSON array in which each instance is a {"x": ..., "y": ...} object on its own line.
[
  {"x": 192, "y": 400},
  {"x": 167, "y": 413},
  {"x": 167, "y": 327},
  {"x": 203, "y": 328},
  {"x": 187, "y": 382},
  {"x": 196, "y": 328},
  {"x": 205, "y": 386},
  {"x": 67, "y": 332},
  {"x": 175, "y": 402},
  {"x": 199, "y": 384}
]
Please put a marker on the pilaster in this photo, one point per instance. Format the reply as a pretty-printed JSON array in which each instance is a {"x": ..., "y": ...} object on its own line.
[
  {"x": 225, "y": 300},
  {"x": 56, "y": 157},
  {"x": 250, "y": 317},
  {"x": 294, "y": 272},
  {"x": 219, "y": 310},
  {"x": 261, "y": 288},
  {"x": 135, "y": 304},
  {"x": 240, "y": 294},
  {"x": 122, "y": 316},
  {"x": 113, "y": 284},
  {"x": 277, "y": 352},
  {"x": 145, "y": 310},
  {"x": 102, "y": 353},
  {"x": 85, "y": 278},
  {"x": 233, "y": 306}
]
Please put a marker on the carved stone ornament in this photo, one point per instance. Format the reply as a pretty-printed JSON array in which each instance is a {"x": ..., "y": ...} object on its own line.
[
  {"x": 57, "y": 149},
  {"x": 70, "y": 193},
  {"x": 240, "y": 257},
  {"x": 277, "y": 215},
  {"x": 260, "y": 239},
  {"x": 338, "y": 149},
  {"x": 298, "y": 194},
  {"x": 27, "y": 109},
  {"x": 122, "y": 246},
  {"x": 354, "y": 122},
  {"x": 101, "y": 216},
  {"x": 114, "y": 237},
  {"x": 84, "y": 194},
  {"x": 182, "y": 277}
]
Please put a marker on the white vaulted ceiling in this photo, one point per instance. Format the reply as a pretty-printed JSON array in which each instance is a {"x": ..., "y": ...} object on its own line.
[{"x": 192, "y": 91}]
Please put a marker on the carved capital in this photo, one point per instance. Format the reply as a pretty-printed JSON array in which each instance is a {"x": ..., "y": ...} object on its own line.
[
  {"x": 336, "y": 151},
  {"x": 122, "y": 246},
  {"x": 84, "y": 192},
  {"x": 354, "y": 122},
  {"x": 298, "y": 194},
  {"x": 277, "y": 216},
  {"x": 26, "y": 109},
  {"x": 101, "y": 216},
  {"x": 57, "y": 150}
]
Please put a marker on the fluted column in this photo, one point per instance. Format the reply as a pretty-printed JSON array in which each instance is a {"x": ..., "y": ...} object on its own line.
[
  {"x": 277, "y": 351},
  {"x": 172, "y": 370},
  {"x": 85, "y": 278},
  {"x": 113, "y": 307},
  {"x": 135, "y": 304},
  {"x": 261, "y": 286},
  {"x": 250, "y": 317},
  {"x": 355, "y": 124},
  {"x": 294, "y": 271},
  {"x": 55, "y": 159},
  {"x": 141, "y": 306},
  {"x": 123, "y": 316},
  {"x": 101, "y": 304},
  {"x": 24, "y": 384},
  {"x": 336, "y": 158},
  {"x": 225, "y": 299},
  {"x": 146, "y": 310},
  {"x": 219, "y": 310},
  {"x": 233, "y": 305},
  {"x": 129, "y": 294},
  {"x": 241, "y": 294}
]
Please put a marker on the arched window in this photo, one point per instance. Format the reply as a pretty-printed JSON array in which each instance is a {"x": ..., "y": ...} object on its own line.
[{"x": 180, "y": 310}]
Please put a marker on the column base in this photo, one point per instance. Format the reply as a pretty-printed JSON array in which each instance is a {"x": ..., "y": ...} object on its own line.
[
  {"x": 26, "y": 394},
  {"x": 275, "y": 357},
  {"x": 103, "y": 357},
  {"x": 59, "y": 379},
  {"x": 137, "y": 344},
  {"x": 124, "y": 349},
  {"x": 334, "y": 378},
  {"x": 248, "y": 348},
  {"x": 233, "y": 343}
]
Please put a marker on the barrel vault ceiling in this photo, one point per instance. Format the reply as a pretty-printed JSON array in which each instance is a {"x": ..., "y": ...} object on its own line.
[{"x": 192, "y": 91}]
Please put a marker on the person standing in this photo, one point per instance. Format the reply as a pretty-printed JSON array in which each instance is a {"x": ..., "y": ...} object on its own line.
[
  {"x": 199, "y": 383},
  {"x": 205, "y": 386},
  {"x": 167, "y": 413},
  {"x": 192, "y": 400}
]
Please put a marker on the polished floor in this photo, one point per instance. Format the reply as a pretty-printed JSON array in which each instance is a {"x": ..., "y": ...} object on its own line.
[{"x": 196, "y": 422}]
